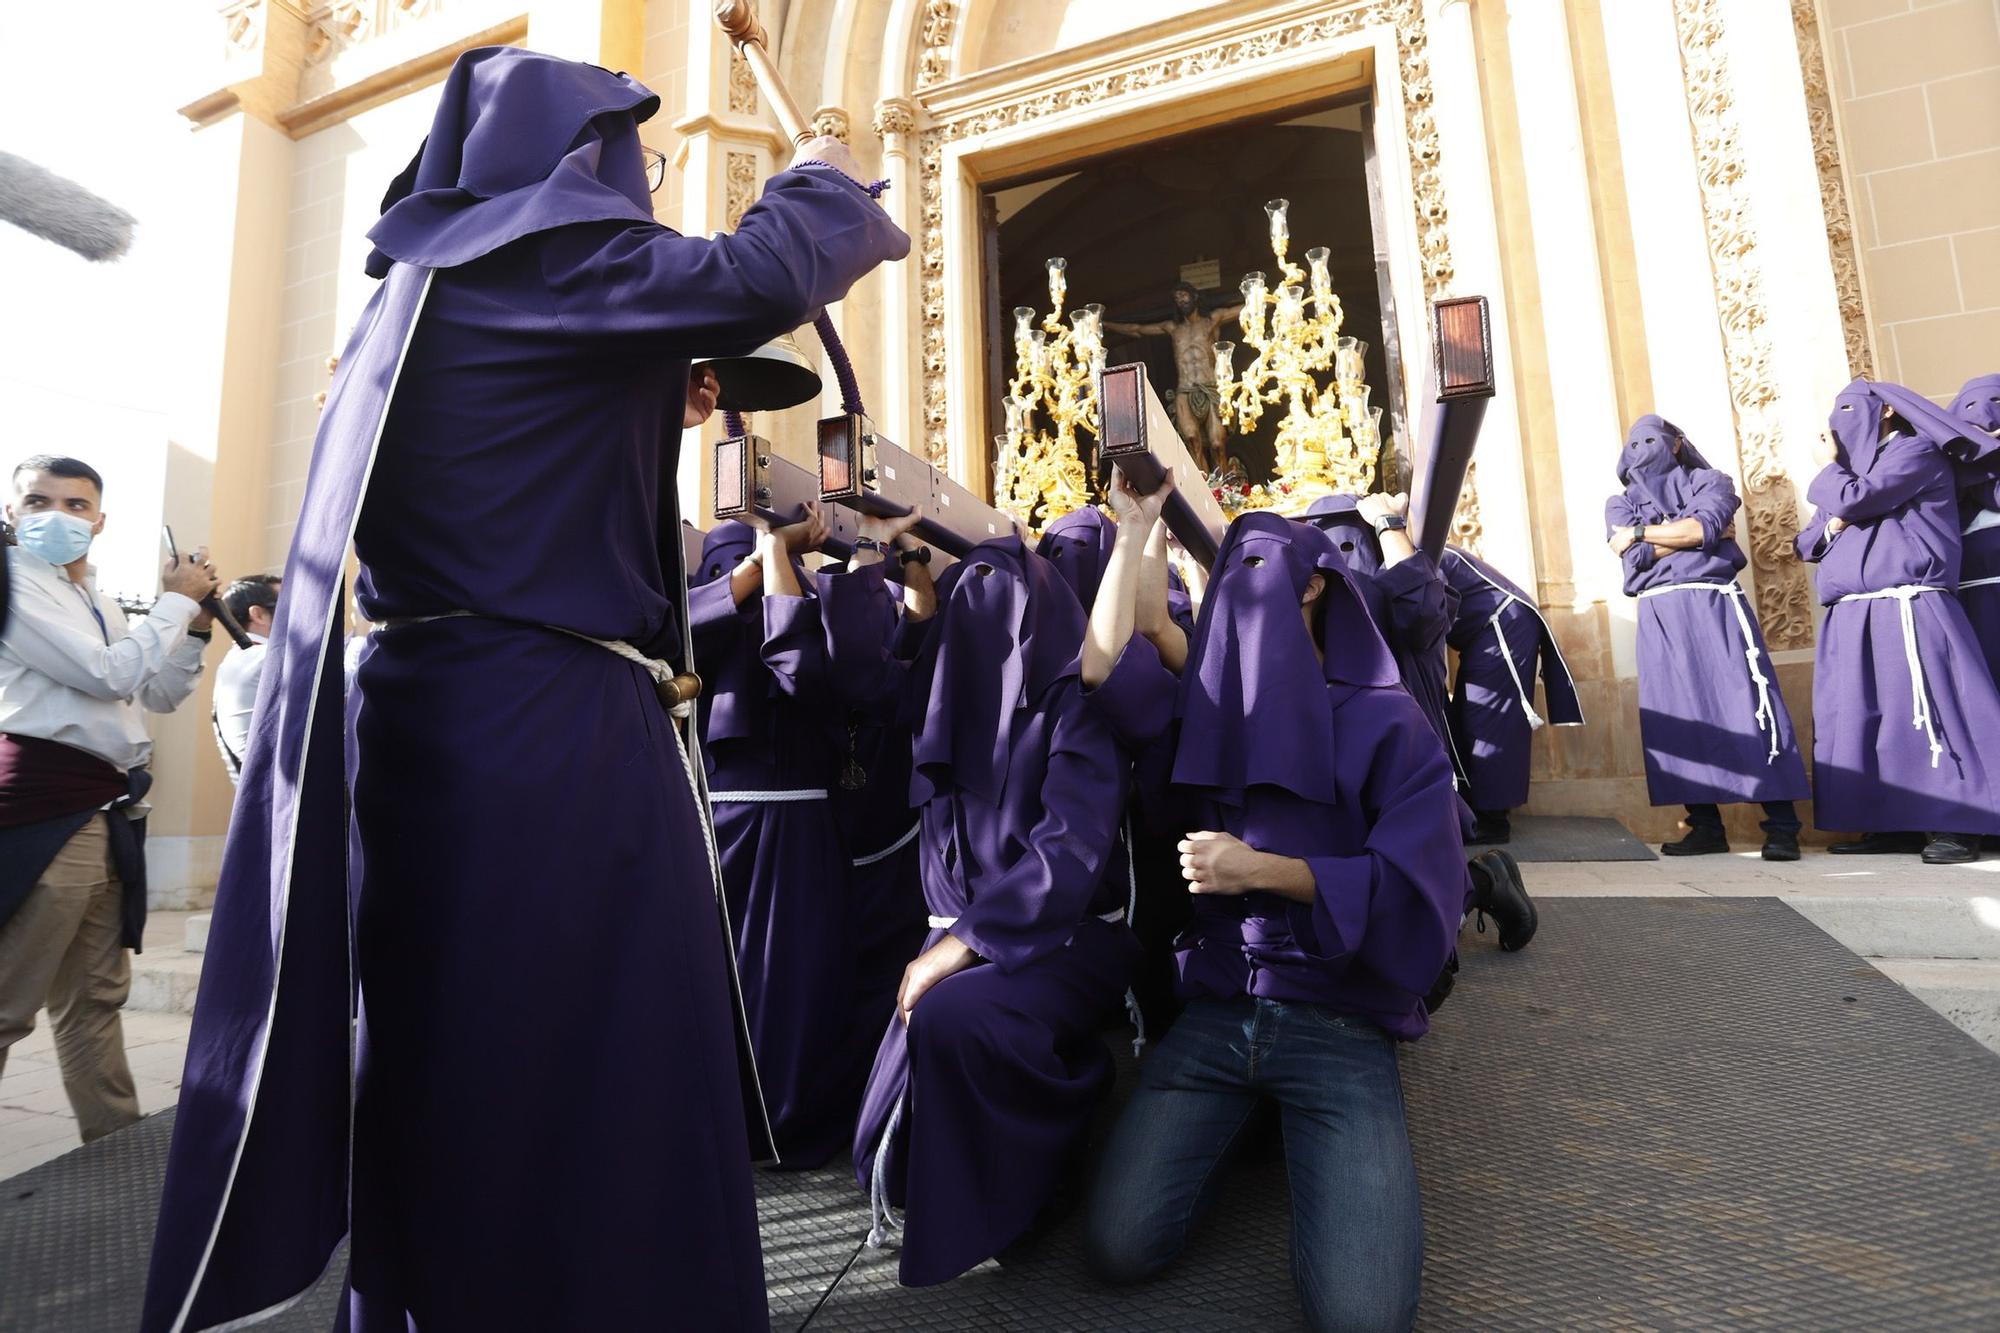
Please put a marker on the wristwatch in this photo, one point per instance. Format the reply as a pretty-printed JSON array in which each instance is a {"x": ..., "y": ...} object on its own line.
[
  {"x": 919, "y": 556},
  {"x": 1389, "y": 523},
  {"x": 869, "y": 544}
]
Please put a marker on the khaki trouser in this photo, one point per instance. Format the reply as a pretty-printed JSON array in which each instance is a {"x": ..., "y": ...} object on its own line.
[{"x": 62, "y": 948}]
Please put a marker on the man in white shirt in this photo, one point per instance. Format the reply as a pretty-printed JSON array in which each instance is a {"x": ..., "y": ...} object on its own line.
[
  {"x": 74, "y": 678},
  {"x": 252, "y": 602}
]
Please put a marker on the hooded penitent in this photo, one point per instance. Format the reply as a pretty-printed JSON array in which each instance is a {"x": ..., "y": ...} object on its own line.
[
  {"x": 1021, "y": 789},
  {"x": 1978, "y": 404},
  {"x": 1502, "y": 642},
  {"x": 1411, "y": 602},
  {"x": 510, "y": 403},
  {"x": 1902, "y": 698}
]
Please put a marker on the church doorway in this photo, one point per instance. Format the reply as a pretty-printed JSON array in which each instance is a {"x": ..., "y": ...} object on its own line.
[{"x": 1137, "y": 223}]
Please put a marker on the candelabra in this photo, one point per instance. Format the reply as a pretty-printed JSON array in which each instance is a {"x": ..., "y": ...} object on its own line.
[
  {"x": 1330, "y": 438},
  {"x": 1040, "y": 475}
]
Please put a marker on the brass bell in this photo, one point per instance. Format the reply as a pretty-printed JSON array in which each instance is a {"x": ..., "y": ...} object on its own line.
[{"x": 770, "y": 379}]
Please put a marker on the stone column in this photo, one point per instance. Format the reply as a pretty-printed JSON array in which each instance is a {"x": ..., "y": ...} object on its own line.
[
  {"x": 900, "y": 413},
  {"x": 1570, "y": 284},
  {"x": 228, "y": 230}
]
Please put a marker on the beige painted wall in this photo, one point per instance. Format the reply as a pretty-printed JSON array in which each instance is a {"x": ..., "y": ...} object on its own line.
[{"x": 1917, "y": 88}]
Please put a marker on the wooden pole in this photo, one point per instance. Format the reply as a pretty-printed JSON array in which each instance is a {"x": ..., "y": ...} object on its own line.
[{"x": 739, "y": 24}]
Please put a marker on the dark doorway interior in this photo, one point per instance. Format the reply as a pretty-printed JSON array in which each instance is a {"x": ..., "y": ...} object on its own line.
[{"x": 1131, "y": 225}]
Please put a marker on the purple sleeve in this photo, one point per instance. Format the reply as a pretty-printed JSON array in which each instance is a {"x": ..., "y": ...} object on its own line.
[
  {"x": 1032, "y": 908},
  {"x": 1812, "y": 541},
  {"x": 713, "y": 614},
  {"x": 798, "y": 249},
  {"x": 1638, "y": 558},
  {"x": 794, "y": 643},
  {"x": 1714, "y": 505},
  {"x": 1619, "y": 513},
  {"x": 1395, "y": 906},
  {"x": 1137, "y": 698},
  {"x": 858, "y": 613},
  {"x": 1419, "y": 611},
  {"x": 1899, "y": 475}
]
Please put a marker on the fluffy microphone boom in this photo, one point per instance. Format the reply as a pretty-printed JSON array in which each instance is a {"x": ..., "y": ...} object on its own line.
[{"x": 39, "y": 201}]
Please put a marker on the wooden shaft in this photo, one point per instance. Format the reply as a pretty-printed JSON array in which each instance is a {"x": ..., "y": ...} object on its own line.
[{"x": 739, "y": 24}]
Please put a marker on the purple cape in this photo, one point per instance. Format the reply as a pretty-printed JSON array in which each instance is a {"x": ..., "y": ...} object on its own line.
[
  {"x": 518, "y": 803},
  {"x": 1502, "y": 641},
  {"x": 1903, "y": 700}
]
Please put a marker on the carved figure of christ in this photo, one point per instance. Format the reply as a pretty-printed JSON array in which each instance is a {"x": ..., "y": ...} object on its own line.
[{"x": 1197, "y": 409}]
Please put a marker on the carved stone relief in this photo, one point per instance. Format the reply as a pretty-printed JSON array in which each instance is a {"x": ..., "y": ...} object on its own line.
[
  {"x": 831, "y": 120},
  {"x": 739, "y": 185},
  {"x": 742, "y": 85},
  {"x": 1784, "y": 600}
]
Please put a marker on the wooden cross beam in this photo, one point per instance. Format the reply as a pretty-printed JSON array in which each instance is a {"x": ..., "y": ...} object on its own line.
[
  {"x": 753, "y": 481},
  {"x": 1460, "y": 385},
  {"x": 1139, "y": 436},
  {"x": 865, "y": 472}
]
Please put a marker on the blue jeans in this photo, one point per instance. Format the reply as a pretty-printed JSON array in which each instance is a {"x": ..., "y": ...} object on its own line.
[{"x": 1357, "y": 1224}]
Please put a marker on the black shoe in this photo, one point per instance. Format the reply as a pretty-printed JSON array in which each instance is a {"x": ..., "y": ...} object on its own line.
[
  {"x": 1881, "y": 844},
  {"x": 1441, "y": 990},
  {"x": 1781, "y": 846},
  {"x": 1490, "y": 826},
  {"x": 1702, "y": 840},
  {"x": 1500, "y": 894},
  {"x": 1951, "y": 849}
]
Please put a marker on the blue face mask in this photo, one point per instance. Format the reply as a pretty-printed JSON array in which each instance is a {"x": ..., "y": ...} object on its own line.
[{"x": 56, "y": 537}]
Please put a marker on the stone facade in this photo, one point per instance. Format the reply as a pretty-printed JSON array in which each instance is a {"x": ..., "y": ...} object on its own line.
[{"x": 1712, "y": 210}]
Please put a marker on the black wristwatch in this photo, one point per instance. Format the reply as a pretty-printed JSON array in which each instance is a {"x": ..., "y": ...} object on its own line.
[
  {"x": 920, "y": 556},
  {"x": 1391, "y": 523},
  {"x": 203, "y": 634}
]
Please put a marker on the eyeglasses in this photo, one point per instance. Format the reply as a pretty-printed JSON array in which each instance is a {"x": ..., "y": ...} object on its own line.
[{"x": 656, "y": 168}]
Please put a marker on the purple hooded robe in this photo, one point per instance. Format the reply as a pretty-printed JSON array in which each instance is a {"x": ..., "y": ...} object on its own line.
[
  {"x": 499, "y": 440},
  {"x": 1325, "y": 758},
  {"x": 1712, "y": 719},
  {"x": 1904, "y": 708},
  {"x": 1979, "y": 515},
  {"x": 1412, "y": 603},
  {"x": 977, "y": 1111},
  {"x": 768, "y": 733},
  {"x": 1502, "y": 640}
]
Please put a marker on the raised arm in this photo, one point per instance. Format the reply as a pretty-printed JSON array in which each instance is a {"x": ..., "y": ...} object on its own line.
[
  {"x": 1114, "y": 615},
  {"x": 1031, "y": 909},
  {"x": 1903, "y": 471},
  {"x": 1138, "y": 330},
  {"x": 40, "y": 632},
  {"x": 798, "y": 249}
]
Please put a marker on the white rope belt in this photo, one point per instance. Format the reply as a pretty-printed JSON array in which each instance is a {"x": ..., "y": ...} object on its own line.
[
  {"x": 889, "y": 851},
  {"x": 1535, "y": 722},
  {"x": 1990, "y": 581},
  {"x": 768, "y": 797},
  {"x": 1920, "y": 716},
  {"x": 1767, "y": 713},
  {"x": 947, "y": 922}
]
